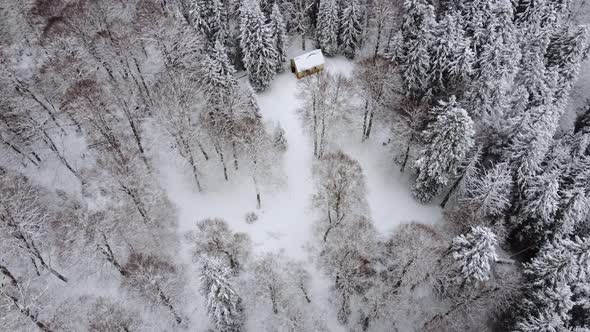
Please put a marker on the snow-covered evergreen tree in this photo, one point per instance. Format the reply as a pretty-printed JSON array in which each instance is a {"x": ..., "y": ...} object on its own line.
[
  {"x": 494, "y": 69},
  {"x": 414, "y": 52},
  {"x": 217, "y": 73},
  {"x": 564, "y": 55},
  {"x": 452, "y": 58},
  {"x": 279, "y": 139},
  {"x": 351, "y": 28},
  {"x": 475, "y": 252},
  {"x": 278, "y": 30},
  {"x": 490, "y": 194},
  {"x": 224, "y": 305},
  {"x": 260, "y": 56},
  {"x": 267, "y": 6},
  {"x": 540, "y": 204},
  {"x": 327, "y": 27},
  {"x": 209, "y": 17},
  {"x": 447, "y": 141},
  {"x": 559, "y": 284}
]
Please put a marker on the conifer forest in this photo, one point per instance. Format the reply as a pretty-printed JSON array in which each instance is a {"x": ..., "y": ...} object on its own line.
[{"x": 295, "y": 165}]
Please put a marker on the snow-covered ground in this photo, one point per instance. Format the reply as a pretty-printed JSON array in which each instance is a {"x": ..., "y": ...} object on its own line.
[{"x": 285, "y": 218}]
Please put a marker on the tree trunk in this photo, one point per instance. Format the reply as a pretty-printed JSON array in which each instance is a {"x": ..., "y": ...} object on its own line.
[
  {"x": 328, "y": 232},
  {"x": 138, "y": 204},
  {"x": 305, "y": 294},
  {"x": 110, "y": 256},
  {"x": 389, "y": 37},
  {"x": 18, "y": 151},
  {"x": 45, "y": 265},
  {"x": 193, "y": 163},
  {"x": 451, "y": 191},
  {"x": 273, "y": 300},
  {"x": 51, "y": 144},
  {"x": 370, "y": 125},
  {"x": 379, "y": 28},
  {"x": 322, "y": 139},
  {"x": 137, "y": 138},
  {"x": 258, "y": 197},
  {"x": 365, "y": 119},
  {"x": 303, "y": 40},
  {"x": 344, "y": 311},
  {"x": 315, "y": 129},
  {"x": 167, "y": 303},
  {"x": 407, "y": 154},
  {"x": 235, "y": 153},
  {"x": 202, "y": 150},
  {"x": 222, "y": 159},
  {"x": 27, "y": 313},
  {"x": 8, "y": 275}
]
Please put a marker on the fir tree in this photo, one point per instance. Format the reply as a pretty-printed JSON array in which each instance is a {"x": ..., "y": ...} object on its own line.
[
  {"x": 279, "y": 139},
  {"x": 416, "y": 41},
  {"x": 327, "y": 27},
  {"x": 278, "y": 29},
  {"x": 559, "y": 283},
  {"x": 260, "y": 56},
  {"x": 490, "y": 194},
  {"x": 267, "y": 7},
  {"x": 540, "y": 204},
  {"x": 217, "y": 73},
  {"x": 448, "y": 139},
  {"x": 565, "y": 53},
  {"x": 494, "y": 67},
  {"x": 209, "y": 17},
  {"x": 452, "y": 58},
  {"x": 475, "y": 252},
  {"x": 475, "y": 17},
  {"x": 224, "y": 306},
  {"x": 351, "y": 28}
]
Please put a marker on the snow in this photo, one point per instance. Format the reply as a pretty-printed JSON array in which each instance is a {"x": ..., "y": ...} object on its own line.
[
  {"x": 285, "y": 219},
  {"x": 309, "y": 60}
]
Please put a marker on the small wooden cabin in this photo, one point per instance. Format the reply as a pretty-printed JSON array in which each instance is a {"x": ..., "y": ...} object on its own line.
[{"x": 308, "y": 64}]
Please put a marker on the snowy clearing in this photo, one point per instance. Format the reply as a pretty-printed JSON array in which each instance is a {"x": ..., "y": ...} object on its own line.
[{"x": 285, "y": 219}]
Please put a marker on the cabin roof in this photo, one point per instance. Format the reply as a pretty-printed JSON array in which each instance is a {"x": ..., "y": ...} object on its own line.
[{"x": 309, "y": 60}]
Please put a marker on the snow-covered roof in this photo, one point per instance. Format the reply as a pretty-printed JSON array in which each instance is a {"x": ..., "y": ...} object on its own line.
[{"x": 309, "y": 60}]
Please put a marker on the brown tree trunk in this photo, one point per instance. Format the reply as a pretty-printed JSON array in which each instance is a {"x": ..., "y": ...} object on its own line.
[
  {"x": 168, "y": 304},
  {"x": 451, "y": 191}
]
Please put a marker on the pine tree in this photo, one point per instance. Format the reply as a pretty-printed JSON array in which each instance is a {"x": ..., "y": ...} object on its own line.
[
  {"x": 267, "y": 7},
  {"x": 490, "y": 194},
  {"x": 565, "y": 53},
  {"x": 217, "y": 73},
  {"x": 416, "y": 41},
  {"x": 475, "y": 17},
  {"x": 475, "y": 252},
  {"x": 528, "y": 133},
  {"x": 559, "y": 284},
  {"x": 260, "y": 56},
  {"x": 278, "y": 29},
  {"x": 351, "y": 28},
  {"x": 448, "y": 139},
  {"x": 327, "y": 27},
  {"x": 279, "y": 139},
  {"x": 209, "y": 17},
  {"x": 224, "y": 306},
  {"x": 452, "y": 58},
  {"x": 494, "y": 67},
  {"x": 540, "y": 204}
]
